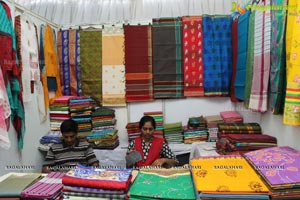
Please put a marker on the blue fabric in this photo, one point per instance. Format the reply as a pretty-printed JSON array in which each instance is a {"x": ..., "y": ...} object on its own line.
[
  {"x": 239, "y": 84},
  {"x": 217, "y": 54}
]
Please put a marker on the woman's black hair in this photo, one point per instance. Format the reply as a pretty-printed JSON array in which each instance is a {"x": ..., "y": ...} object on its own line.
[
  {"x": 68, "y": 125},
  {"x": 146, "y": 119}
]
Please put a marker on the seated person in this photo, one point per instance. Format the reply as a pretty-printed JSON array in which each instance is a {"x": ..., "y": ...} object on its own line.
[
  {"x": 70, "y": 151},
  {"x": 153, "y": 151}
]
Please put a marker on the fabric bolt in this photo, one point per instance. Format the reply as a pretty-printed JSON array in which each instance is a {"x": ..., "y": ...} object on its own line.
[
  {"x": 217, "y": 54},
  {"x": 261, "y": 65},
  {"x": 220, "y": 174},
  {"x": 250, "y": 58},
  {"x": 163, "y": 184},
  {"x": 167, "y": 58},
  {"x": 192, "y": 56},
  {"x": 278, "y": 65},
  {"x": 68, "y": 51},
  {"x": 278, "y": 166},
  {"x": 113, "y": 72},
  {"x": 91, "y": 63},
  {"x": 239, "y": 84},
  {"x": 292, "y": 100}
]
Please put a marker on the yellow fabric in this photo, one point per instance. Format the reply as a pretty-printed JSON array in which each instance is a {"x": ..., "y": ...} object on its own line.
[
  {"x": 226, "y": 174},
  {"x": 113, "y": 52},
  {"x": 292, "y": 107},
  {"x": 51, "y": 65}
]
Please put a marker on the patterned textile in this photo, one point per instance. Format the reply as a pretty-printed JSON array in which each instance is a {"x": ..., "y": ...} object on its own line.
[
  {"x": 90, "y": 190},
  {"x": 167, "y": 61},
  {"x": 192, "y": 56},
  {"x": 226, "y": 174},
  {"x": 138, "y": 63},
  {"x": 85, "y": 195},
  {"x": 111, "y": 179},
  {"x": 241, "y": 128},
  {"x": 261, "y": 67},
  {"x": 46, "y": 188},
  {"x": 51, "y": 66},
  {"x": 9, "y": 65},
  {"x": 68, "y": 51},
  {"x": 217, "y": 54},
  {"x": 250, "y": 58},
  {"x": 113, "y": 72},
  {"x": 239, "y": 84},
  {"x": 278, "y": 65},
  {"x": 91, "y": 63},
  {"x": 4, "y": 114},
  {"x": 292, "y": 100},
  {"x": 278, "y": 166},
  {"x": 162, "y": 184}
]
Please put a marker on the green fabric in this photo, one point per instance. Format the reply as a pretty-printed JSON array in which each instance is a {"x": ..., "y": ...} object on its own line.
[
  {"x": 250, "y": 60},
  {"x": 91, "y": 64},
  {"x": 163, "y": 184}
]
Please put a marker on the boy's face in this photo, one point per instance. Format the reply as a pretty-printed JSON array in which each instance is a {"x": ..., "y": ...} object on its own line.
[{"x": 69, "y": 138}]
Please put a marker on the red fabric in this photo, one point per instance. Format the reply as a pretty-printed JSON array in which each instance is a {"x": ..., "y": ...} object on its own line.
[
  {"x": 154, "y": 152},
  {"x": 192, "y": 56}
]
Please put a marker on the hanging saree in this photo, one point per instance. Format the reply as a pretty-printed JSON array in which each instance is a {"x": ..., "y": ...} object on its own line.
[
  {"x": 278, "y": 65},
  {"x": 192, "y": 56},
  {"x": 68, "y": 54},
  {"x": 113, "y": 69},
  {"x": 138, "y": 63},
  {"x": 292, "y": 99},
  {"x": 217, "y": 54},
  {"x": 9, "y": 65},
  {"x": 91, "y": 63},
  {"x": 167, "y": 60},
  {"x": 261, "y": 67}
]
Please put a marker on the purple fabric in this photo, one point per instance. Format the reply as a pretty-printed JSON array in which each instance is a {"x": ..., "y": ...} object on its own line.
[
  {"x": 277, "y": 165},
  {"x": 47, "y": 187}
]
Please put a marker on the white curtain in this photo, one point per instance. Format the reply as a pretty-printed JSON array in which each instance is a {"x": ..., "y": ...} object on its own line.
[{"x": 87, "y": 12}]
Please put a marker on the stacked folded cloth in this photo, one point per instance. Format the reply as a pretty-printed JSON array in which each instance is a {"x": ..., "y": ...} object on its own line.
[
  {"x": 212, "y": 126},
  {"x": 50, "y": 187},
  {"x": 238, "y": 138},
  {"x": 52, "y": 137},
  {"x": 86, "y": 182},
  {"x": 227, "y": 178},
  {"x": 231, "y": 117},
  {"x": 104, "y": 139},
  {"x": 81, "y": 109},
  {"x": 173, "y": 132},
  {"x": 59, "y": 111},
  {"x": 163, "y": 184},
  {"x": 133, "y": 130},
  {"x": 103, "y": 118},
  {"x": 195, "y": 131},
  {"x": 159, "y": 120},
  {"x": 280, "y": 170}
]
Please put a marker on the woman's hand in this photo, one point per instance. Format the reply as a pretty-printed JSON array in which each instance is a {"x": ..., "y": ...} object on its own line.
[{"x": 159, "y": 162}]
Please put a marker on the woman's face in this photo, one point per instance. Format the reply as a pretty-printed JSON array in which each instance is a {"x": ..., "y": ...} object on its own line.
[{"x": 147, "y": 131}]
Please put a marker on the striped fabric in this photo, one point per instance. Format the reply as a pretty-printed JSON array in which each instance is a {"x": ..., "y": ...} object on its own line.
[
  {"x": 261, "y": 67},
  {"x": 167, "y": 61},
  {"x": 68, "y": 195},
  {"x": 46, "y": 188},
  {"x": 192, "y": 56},
  {"x": 113, "y": 72},
  {"x": 138, "y": 63}
]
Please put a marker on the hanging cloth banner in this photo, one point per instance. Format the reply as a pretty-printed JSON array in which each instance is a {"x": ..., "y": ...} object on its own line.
[
  {"x": 113, "y": 72},
  {"x": 192, "y": 56},
  {"x": 91, "y": 63},
  {"x": 138, "y": 63}
]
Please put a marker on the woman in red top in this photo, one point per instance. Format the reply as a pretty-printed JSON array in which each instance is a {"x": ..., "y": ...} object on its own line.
[{"x": 154, "y": 151}]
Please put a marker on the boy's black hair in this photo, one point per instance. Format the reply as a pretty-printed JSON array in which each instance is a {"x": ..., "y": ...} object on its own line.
[{"x": 69, "y": 125}]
